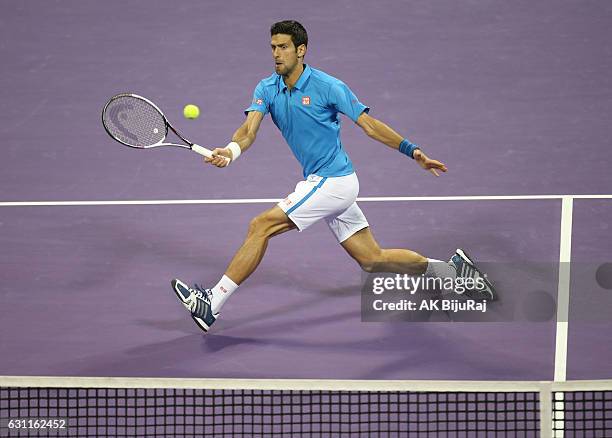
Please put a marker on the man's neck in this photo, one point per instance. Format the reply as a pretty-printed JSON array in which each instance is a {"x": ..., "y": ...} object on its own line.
[{"x": 292, "y": 79}]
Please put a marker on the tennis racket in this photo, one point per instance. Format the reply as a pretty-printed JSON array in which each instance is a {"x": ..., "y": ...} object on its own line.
[{"x": 137, "y": 122}]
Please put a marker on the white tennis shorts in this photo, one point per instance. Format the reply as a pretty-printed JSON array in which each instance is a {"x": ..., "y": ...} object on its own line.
[{"x": 329, "y": 198}]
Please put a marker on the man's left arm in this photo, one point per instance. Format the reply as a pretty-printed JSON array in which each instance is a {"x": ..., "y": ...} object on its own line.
[{"x": 383, "y": 133}]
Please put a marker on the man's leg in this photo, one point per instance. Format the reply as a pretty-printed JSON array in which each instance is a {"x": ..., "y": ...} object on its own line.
[
  {"x": 365, "y": 250},
  {"x": 268, "y": 224},
  {"x": 362, "y": 247},
  {"x": 204, "y": 304},
  {"x": 264, "y": 226}
]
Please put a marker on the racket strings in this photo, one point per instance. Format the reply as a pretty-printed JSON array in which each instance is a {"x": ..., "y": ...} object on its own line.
[{"x": 134, "y": 122}]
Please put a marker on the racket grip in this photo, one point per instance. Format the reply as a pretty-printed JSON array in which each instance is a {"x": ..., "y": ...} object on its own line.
[{"x": 201, "y": 150}]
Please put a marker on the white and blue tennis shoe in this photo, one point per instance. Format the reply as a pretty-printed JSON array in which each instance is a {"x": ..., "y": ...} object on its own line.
[
  {"x": 197, "y": 301},
  {"x": 466, "y": 268}
]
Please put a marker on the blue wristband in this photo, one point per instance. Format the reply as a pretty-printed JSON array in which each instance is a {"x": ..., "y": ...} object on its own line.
[{"x": 408, "y": 148}]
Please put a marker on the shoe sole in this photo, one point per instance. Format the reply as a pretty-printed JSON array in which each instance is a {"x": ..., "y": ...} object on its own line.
[
  {"x": 179, "y": 295},
  {"x": 200, "y": 323},
  {"x": 465, "y": 256}
]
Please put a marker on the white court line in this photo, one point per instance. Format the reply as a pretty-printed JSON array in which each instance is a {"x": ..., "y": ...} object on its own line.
[
  {"x": 565, "y": 256},
  {"x": 274, "y": 200},
  {"x": 137, "y": 202}
]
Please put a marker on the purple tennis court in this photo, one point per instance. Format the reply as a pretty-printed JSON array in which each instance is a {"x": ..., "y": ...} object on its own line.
[{"x": 513, "y": 97}]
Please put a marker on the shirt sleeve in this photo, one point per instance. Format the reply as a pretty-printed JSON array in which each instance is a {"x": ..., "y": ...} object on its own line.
[
  {"x": 260, "y": 101},
  {"x": 344, "y": 100}
]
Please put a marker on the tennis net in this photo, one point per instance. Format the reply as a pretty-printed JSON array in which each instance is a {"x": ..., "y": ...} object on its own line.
[{"x": 140, "y": 407}]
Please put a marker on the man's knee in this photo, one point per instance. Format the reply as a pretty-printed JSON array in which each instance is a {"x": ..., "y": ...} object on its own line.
[
  {"x": 258, "y": 225},
  {"x": 267, "y": 224}
]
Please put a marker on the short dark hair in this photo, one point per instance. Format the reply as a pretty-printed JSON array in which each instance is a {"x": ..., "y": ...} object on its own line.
[{"x": 298, "y": 34}]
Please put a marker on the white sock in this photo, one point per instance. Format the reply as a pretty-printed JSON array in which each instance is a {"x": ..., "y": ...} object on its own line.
[
  {"x": 221, "y": 292},
  {"x": 440, "y": 269}
]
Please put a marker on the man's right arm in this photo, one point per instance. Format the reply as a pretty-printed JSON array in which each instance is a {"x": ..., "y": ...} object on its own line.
[{"x": 244, "y": 136}]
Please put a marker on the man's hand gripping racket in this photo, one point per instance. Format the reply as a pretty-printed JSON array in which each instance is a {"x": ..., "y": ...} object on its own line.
[
  {"x": 220, "y": 157},
  {"x": 137, "y": 122}
]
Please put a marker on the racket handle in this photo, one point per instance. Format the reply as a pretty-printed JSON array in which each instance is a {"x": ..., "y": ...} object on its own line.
[{"x": 203, "y": 151}]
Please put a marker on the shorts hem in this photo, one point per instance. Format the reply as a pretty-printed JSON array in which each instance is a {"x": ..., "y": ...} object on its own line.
[
  {"x": 299, "y": 227},
  {"x": 352, "y": 231}
]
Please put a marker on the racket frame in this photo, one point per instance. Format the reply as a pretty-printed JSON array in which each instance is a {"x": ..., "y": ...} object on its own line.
[{"x": 188, "y": 144}]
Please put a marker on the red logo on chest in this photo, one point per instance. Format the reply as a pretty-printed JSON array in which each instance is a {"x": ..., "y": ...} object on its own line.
[{"x": 305, "y": 100}]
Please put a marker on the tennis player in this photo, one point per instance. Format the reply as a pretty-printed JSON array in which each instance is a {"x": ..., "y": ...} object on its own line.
[{"x": 305, "y": 104}]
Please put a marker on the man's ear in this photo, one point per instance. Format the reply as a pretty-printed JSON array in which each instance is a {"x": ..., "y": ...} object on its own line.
[{"x": 301, "y": 50}]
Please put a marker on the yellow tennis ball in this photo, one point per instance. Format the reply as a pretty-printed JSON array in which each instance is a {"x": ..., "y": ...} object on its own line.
[{"x": 191, "y": 111}]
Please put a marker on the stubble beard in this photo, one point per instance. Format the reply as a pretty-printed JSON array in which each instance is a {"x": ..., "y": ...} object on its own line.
[{"x": 287, "y": 72}]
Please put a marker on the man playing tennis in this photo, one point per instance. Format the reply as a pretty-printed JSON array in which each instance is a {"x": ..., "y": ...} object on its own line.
[{"x": 305, "y": 104}]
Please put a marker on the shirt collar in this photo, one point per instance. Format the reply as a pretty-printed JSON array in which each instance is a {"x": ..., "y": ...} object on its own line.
[{"x": 301, "y": 81}]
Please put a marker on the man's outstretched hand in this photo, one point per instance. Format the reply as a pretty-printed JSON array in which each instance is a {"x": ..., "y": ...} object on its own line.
[{"x": 428, "y": 164}]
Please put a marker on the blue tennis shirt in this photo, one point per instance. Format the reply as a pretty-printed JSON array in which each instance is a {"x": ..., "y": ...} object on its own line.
[{"x": 308, "y": 117}]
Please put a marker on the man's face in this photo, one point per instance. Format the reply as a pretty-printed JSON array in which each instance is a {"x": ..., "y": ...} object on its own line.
[{"x": 284, "y": 54}]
